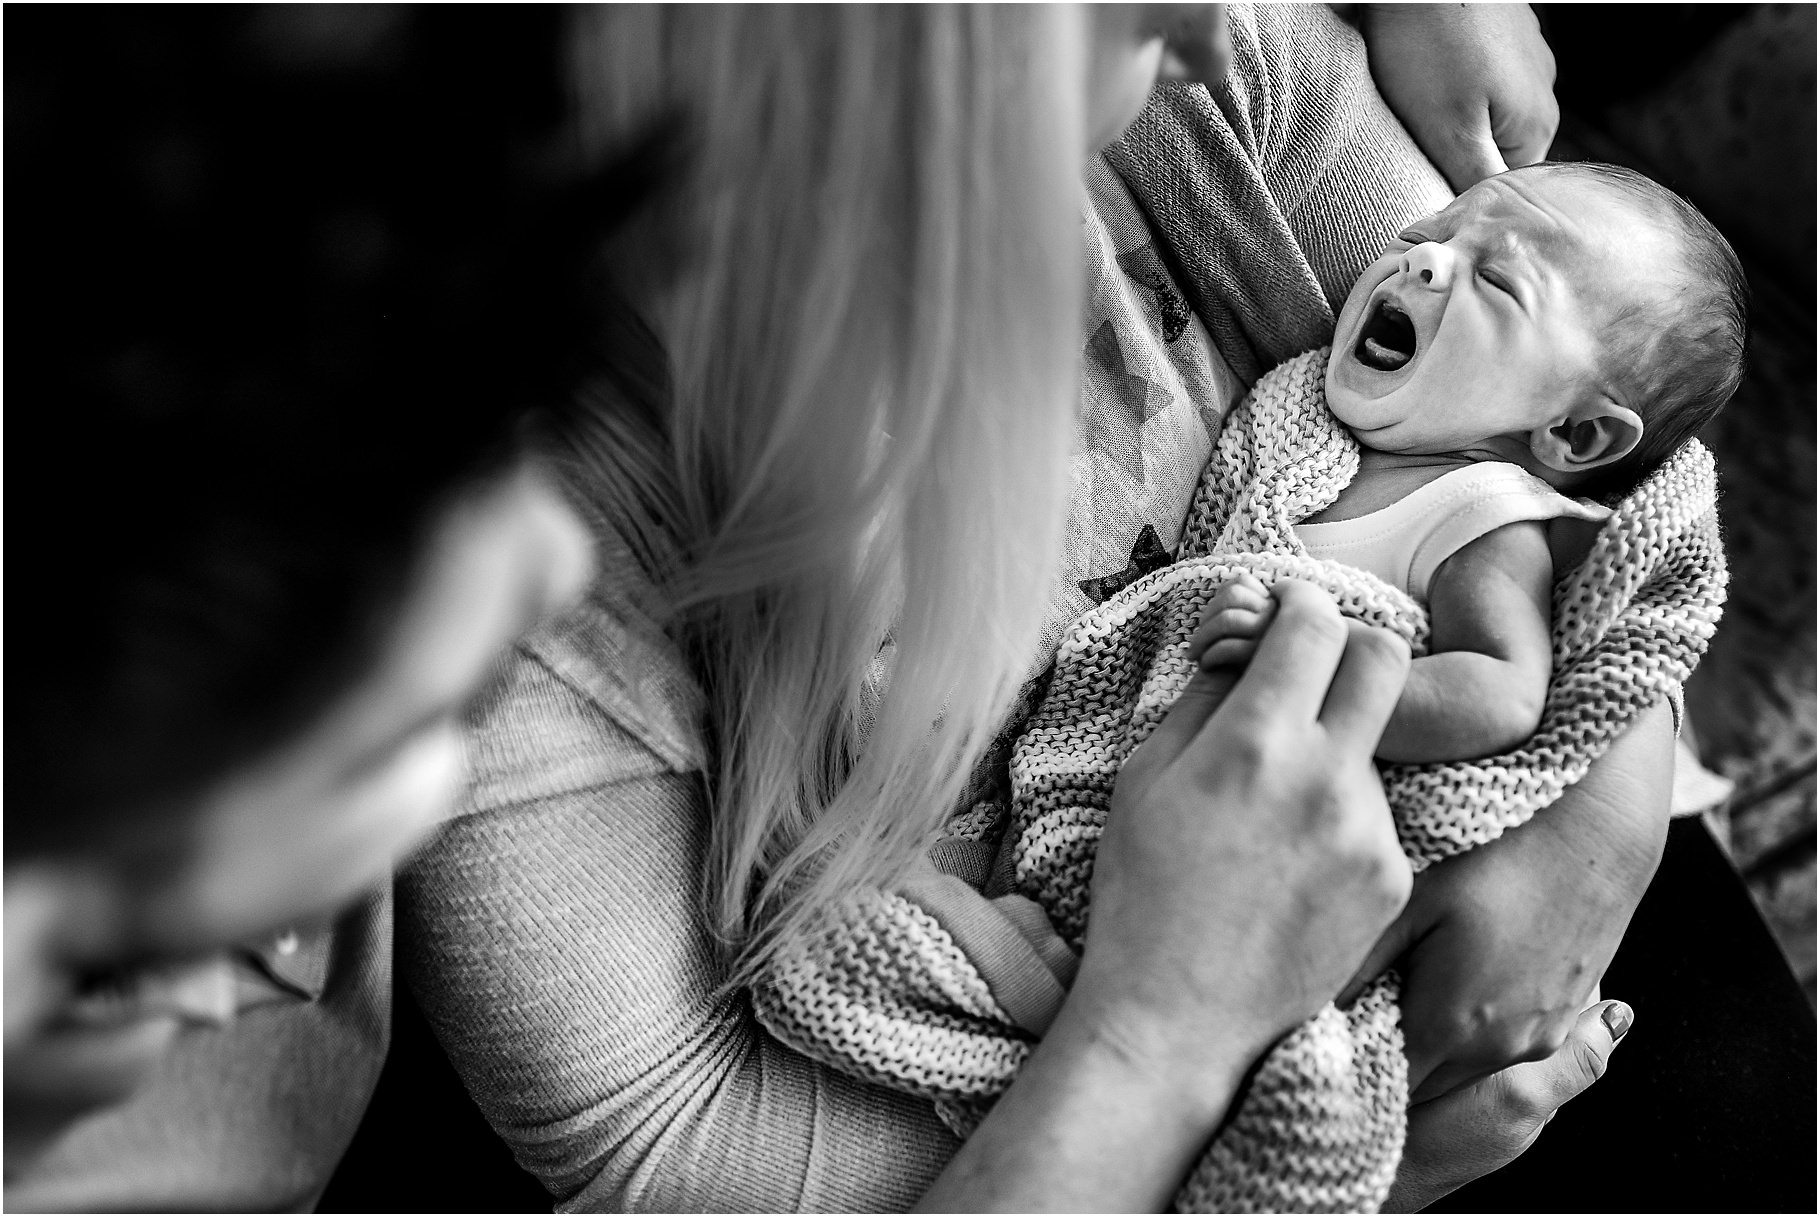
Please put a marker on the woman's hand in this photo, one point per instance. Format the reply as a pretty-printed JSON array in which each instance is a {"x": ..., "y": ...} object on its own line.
[
  {"x": 1474, "y": 83},
  {"x": 1249, "y": 851},
  {"x": 1500, "y": 946},
  {"x": 1470, "y": 1133},
  {"x": 1248, "y": 864}
]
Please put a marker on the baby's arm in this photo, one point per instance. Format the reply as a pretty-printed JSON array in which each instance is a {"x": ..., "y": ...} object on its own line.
[{"x": 1480, "y": 689}]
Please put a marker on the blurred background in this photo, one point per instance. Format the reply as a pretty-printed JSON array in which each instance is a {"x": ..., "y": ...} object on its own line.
[{"x": 1717, "y": 101}]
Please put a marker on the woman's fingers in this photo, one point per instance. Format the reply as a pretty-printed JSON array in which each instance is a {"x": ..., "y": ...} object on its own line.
[
  {"x": 1460, "y": 1136},
  {"x": 1228, "y": 653},
  {"x": 1240, "y": 610},
  {"x": 1473, "y": 83},
  {"x": 1366, "y": 687},
  {"x": 1296, "y": 658},
  {"x": 1311, "y": 662},
  {"x": 1179, "y": 728}
]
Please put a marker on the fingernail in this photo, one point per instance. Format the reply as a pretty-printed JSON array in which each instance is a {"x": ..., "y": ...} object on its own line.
[{"x": 1617, "y": 1020}]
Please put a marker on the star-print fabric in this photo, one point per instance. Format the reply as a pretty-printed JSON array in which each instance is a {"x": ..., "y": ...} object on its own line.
[{"x": 1153, "y": 392}]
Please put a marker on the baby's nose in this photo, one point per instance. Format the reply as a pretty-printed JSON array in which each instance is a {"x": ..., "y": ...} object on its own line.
[{"x": 1432, "y": 263}]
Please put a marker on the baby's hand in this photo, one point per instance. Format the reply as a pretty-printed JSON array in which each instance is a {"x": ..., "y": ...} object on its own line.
[{"x": 1230, "y": 628}]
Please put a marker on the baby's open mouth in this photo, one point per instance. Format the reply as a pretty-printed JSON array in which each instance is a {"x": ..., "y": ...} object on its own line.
[{"x": 1388, "y": 340}]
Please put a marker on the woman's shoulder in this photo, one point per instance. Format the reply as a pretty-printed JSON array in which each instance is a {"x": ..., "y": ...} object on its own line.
[{"x": 594, "y": 696}]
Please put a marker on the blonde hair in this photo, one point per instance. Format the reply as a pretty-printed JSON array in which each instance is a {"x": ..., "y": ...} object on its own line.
[{"x": 866, "y": 427}]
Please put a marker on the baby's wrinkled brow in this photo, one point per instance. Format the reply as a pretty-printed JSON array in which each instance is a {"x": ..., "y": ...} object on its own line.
[{"x": 1506, "y": 242}]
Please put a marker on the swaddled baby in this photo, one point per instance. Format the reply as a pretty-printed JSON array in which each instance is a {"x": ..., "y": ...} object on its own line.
[{"x": 1556, "y": 331}]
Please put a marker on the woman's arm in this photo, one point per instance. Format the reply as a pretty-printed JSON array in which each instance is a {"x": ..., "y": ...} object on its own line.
[
  {"x": 554, "y": 938},
  {"x": 1500, "y": 945},
  {"x": 1093, "y": 1122},
  {"x": 1473, "y": 1131}
]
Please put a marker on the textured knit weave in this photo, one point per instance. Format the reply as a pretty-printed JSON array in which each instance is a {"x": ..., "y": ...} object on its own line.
[{"x": 891, "y": 997}]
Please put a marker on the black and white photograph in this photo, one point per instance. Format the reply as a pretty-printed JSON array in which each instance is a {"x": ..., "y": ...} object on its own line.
[{"x": 1019, "y": 607}]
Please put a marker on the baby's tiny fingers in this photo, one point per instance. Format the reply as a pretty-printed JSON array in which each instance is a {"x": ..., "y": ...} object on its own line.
[
  {"x": 1229, "y": 623},
  {"x": 1248, "y": 581},
  {"x": 1241, "y": 592}
]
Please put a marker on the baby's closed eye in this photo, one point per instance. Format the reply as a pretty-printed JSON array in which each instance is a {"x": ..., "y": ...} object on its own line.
[{"x": 1497, "y": 279}]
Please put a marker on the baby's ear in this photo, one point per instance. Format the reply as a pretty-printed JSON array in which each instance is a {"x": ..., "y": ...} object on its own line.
[{"x": 1594, "y": 433}]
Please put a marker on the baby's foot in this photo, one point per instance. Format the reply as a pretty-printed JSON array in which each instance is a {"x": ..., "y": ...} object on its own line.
[{"x": 1230, "y": 628}]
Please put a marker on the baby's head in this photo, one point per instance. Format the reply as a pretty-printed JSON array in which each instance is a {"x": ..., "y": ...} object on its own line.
[{"x": 1574, "y": 318}]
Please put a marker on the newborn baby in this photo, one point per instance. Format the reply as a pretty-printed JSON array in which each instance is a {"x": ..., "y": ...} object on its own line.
[{"x": 1556, "y": 331}]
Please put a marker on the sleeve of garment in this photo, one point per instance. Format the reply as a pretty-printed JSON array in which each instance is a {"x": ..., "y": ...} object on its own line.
[
  {"x": 553, "y": 936},
  {"x": 1271, "y": 195},
  {"x": 1345, "y": 172}
]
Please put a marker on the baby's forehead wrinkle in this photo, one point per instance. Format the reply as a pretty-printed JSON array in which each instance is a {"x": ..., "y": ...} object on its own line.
[
  {"x": 1525, "y": 225},
  {"x": 1505, "y": 242},
  {"x": 1518, "y": 207}
]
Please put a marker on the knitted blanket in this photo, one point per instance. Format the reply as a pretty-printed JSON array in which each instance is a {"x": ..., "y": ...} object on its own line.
[{"x": 908, "y": 994}]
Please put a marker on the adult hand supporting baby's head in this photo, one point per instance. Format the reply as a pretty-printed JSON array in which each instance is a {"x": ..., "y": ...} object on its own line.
[{"x": 1473, "y": 83}]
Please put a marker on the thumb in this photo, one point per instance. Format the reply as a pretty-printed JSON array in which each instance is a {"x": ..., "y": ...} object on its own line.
[
  {"x": 1523, "y": 134},
  {"x": 1582, "y": 1060},
  {"x": 1470, "y": 153},
  {"x": 1469, "y": 1133},
  {"x": 1183, "y": 721},
  {"x": 1541, "y": 1087}
]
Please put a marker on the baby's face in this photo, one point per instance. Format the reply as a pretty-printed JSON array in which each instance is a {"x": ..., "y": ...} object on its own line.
[{"x": 1480, "y": 323}]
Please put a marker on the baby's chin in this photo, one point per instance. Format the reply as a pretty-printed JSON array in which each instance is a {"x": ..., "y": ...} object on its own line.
[
  {"x": 1354, "y": 410},
  {"x": 1372, "y": 420}
]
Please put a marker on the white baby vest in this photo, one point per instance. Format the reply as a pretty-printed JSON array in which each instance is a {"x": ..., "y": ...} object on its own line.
[{"x": 1406, "y": 542}]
